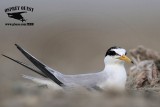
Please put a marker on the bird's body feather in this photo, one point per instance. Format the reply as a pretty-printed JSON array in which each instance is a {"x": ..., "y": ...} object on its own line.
[
  {"x": 113, "y": 75},
  {"x": 116, "y": 77}
]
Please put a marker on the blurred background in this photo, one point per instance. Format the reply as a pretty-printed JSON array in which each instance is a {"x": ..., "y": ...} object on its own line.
[{"x": 72, "y": 36}]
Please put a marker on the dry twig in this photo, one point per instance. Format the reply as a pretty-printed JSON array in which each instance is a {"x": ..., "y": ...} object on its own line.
[{"x": 145, "y": 72}]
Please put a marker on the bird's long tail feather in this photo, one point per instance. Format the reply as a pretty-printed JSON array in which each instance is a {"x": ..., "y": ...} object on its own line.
[
  {"x": 45, "y": 69},
  {"x": 26, "y": 66}
]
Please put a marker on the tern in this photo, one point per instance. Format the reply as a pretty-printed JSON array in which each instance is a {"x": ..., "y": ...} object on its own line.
[{"x": 112, "y": 76}]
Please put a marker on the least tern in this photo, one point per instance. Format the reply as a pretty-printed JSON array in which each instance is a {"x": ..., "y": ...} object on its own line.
[{"x": 112, "y": 76}]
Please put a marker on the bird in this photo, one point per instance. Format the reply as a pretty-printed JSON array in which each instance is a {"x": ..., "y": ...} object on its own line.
[
  {"x": 17, "y": 15},
  {"x": 113, "y": 76}
]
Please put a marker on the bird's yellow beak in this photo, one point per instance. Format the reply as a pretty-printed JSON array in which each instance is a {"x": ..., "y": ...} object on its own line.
[{"x": 125, "y": 58}]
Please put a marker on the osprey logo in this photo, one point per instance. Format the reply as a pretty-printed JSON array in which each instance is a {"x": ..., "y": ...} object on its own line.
[{"x": 18, "y": 13}]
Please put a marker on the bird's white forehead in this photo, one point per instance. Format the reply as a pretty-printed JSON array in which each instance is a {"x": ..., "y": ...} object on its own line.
[{"x": 120, "y": 51}]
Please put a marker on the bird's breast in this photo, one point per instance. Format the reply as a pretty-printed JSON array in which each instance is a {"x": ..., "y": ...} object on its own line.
[{"x": 116, "y": 78}]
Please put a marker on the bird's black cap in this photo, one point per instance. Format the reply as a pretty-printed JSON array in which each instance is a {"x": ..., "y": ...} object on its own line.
[{"x": 110, "y": 52}]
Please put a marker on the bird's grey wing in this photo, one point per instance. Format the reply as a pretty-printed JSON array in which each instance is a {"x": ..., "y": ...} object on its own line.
[
  {"x": 45, "y": 69},
  {"x": 87, "y": 80}
]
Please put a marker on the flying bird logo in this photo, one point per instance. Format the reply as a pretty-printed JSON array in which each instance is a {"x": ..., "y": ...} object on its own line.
[{"x": 17, "y": 15}]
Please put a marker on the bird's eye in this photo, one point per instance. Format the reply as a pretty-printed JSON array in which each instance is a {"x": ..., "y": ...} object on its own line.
[
  {"x": 112, "y": 53},
  {"x": 126, "y": 53}
]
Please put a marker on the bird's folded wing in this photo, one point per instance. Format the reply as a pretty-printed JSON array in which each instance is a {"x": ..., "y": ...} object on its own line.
[{"x": 45, "y": 69}]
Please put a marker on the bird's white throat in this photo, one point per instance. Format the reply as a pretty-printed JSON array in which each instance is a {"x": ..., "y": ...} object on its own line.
[
  {"x": 115, "y": 73},
  {"x": 110, "y": 60}
]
